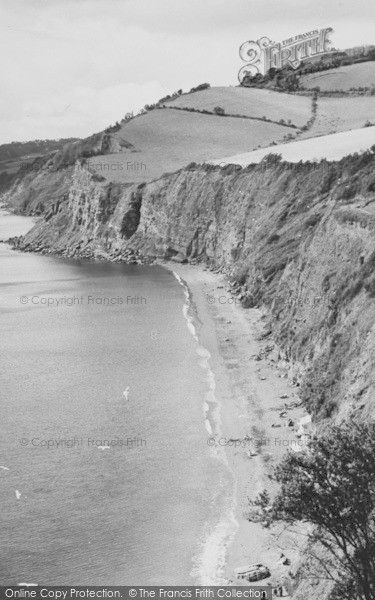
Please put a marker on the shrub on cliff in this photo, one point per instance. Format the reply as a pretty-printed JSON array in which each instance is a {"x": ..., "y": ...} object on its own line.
[
  {"x": 332, "y": 487},
  {"x": 271, "y": 160}
]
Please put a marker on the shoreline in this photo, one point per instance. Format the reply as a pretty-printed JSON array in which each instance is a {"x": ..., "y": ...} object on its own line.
[
  {"x": 250, "y": 394},
  {"x": 254, "y": 436},
  {"x": 211, "y": 560}
]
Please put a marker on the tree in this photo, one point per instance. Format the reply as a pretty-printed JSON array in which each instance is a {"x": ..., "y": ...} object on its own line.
[
  {"x": 219, "y": 111},
  {"x": 332, "y": 487}
]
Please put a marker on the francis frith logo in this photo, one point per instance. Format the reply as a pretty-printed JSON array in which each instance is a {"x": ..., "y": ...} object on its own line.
[{"x": 263, "y": 55}]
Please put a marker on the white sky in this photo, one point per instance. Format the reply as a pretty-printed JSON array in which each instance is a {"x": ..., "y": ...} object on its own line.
[{"x": 73, "y": 67}]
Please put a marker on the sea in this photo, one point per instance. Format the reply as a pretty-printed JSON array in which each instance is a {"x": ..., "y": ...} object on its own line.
[{"x": 107, "y": 406}]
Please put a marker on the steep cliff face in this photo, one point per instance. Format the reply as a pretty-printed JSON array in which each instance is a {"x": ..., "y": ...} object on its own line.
[
  {"x": 38, "y": 186},
  {"x": 298, "y": 238},
  {"x": 35, "y": 189}
]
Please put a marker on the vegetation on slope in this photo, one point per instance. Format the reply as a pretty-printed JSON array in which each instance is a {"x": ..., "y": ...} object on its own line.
[
  {"x": 337, "y": 73},
  {"x": 332, "y": 488},
  {"x": 20, "y": 156},
  {"x": 35, "y": 147}
]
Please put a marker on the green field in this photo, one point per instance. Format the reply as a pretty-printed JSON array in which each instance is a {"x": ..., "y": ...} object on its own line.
[
  {"x": 166, "y": 140},
  {"x": 343, "y": 78},
  {"x": 251, "y": 102}
]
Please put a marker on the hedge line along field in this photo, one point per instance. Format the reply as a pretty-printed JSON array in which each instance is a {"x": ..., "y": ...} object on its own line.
[
  {"x": 167, "y": 140},
  {"x": 251, "y": 102}
]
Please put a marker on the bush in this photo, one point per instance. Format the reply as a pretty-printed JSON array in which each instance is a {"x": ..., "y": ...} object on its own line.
[
  {"x": 97, "y": 177},
  {"x": 271, "y": 159},
  {"x": 200, "y": 87},
  {"x": 113, "y": 128},
  {"x": 219, "y": 111}
]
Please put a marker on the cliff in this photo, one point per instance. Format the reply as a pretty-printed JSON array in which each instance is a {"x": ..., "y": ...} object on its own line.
[
  {"x": 297, "y": 238},
  {"x": 39, "y": 185}
]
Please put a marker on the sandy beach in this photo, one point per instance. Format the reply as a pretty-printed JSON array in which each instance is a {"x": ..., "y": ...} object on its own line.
[{"x": 253, "y": 391}]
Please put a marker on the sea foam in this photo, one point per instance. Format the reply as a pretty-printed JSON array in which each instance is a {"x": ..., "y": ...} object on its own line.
[{"x": 209, "y": 563}]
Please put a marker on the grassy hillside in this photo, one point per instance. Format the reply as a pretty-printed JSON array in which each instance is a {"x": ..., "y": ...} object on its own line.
[
  {"x": 171, "y": 134},
  {"x": 166, "y": 140},
  {"x": 343, "y": 78},
  {"x": 341, "y": 114},
  {"x": 250, "y": 102}
]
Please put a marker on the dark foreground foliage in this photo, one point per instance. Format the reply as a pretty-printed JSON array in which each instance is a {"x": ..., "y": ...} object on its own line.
[{"x": 332, "y": 487}]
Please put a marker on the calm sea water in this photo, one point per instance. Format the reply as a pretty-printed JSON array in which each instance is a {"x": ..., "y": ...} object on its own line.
[{"x": 155, "y": 507}]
